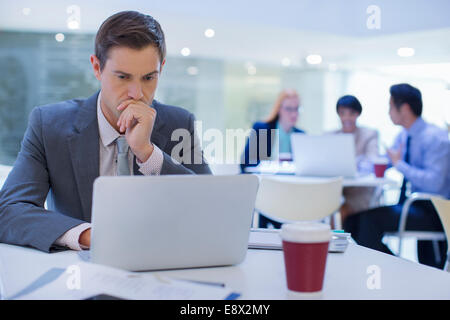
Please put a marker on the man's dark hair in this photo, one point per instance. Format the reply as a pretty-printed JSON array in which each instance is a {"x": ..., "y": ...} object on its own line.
[
  {"x": 350, "y": 102},
  {"x": 405, "y": 93},
  {"x": 129, "y": 29}
]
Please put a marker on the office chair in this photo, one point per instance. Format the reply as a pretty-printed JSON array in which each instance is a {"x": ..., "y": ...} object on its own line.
[
  {"x": 433, "y": 236},
  {"x": 443, "y": 208},
  {"x": 287, "y": 199}
]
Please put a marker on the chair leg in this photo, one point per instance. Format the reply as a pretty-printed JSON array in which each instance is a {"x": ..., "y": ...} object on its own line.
[
  {"x": 437, "y": 254},
  {"x": 400, "y": 243}
]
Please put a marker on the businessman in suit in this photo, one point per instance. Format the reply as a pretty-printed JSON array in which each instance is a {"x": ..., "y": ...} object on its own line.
[
  {"x": 421, "y": 152},
  {"x": 119, "y": 130}
]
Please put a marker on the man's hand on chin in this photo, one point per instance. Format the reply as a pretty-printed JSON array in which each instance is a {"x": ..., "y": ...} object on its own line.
[{"x": 136, "y": 121}]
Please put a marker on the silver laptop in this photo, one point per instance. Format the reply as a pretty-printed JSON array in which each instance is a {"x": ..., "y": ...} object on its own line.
[
  {"x": 324, "y": 156},
  {"x": 168, "y": 222}
]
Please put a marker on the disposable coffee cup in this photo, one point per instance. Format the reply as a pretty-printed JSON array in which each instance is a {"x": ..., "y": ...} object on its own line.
[
  {"x": 305, "y": 250},
  {"x": 379, "y": 167}
]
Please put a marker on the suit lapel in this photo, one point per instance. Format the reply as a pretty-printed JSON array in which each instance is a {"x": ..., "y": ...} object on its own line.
[
  {"x": 84, "y": 151},
  {"x": 158, "y": 137}
]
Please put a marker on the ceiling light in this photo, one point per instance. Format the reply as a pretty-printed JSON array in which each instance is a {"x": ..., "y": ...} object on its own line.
[
  {"x": 314, "y": 59},
  {"x": 185, "y": 52},
  {"x": 209, "y": 33},
  {"x": 59, "y": 37},
  {"x": 74, "y": 18},
  {"x": 406, "y": 52}
]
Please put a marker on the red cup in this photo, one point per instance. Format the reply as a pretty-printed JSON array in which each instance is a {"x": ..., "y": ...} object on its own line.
[
  {"x": 379, "y": 169},
  {"x": 305, "y": 249}
]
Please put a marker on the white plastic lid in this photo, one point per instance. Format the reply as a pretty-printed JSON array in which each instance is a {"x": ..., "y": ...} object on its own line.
[
  {"x": 381, "y": 160},
  {"x": 306, "y": 232}
]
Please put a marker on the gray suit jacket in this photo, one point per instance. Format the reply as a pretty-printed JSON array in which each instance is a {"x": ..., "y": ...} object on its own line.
[{"x": 59, "y": 161}]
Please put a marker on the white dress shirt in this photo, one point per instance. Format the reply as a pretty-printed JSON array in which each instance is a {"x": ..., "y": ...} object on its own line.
[{"x": 108, "y": 167}]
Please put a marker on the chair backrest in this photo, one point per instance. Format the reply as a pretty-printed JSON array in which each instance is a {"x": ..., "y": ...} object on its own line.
[
  {"x": 443, "y": 208},
  {"x": 295, "y": 198}
]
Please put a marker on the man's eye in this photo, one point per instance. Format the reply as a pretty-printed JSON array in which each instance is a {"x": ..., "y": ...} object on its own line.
[
  {"x": 149, "y": 78},
  {"x": 122, "y": 77}
]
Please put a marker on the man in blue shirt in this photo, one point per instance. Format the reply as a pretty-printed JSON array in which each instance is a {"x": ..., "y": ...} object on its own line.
[{"x": 421, "y": 152}]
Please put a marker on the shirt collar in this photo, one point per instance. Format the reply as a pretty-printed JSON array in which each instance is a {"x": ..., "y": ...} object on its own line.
[
  {"x": 107, "y": 133},
  {"x": 416, "y": 127},
  {"x": 282, "y": 130}
]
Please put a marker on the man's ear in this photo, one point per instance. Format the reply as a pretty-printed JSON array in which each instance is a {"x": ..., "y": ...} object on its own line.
[
  {"x": 162, "y": 65},
  {"x": 96, "y": 66},
  {"x": 404, "y": 108}
]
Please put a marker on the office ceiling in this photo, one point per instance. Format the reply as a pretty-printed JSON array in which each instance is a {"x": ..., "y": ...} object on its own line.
[{"x": 267, "y": 31}]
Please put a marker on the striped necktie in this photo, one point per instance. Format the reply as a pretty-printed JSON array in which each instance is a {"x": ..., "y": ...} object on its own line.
[{"x": 123, "y": 168}]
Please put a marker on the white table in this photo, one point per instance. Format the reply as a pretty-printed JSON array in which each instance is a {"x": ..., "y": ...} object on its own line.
[
  {"x": 361, "y": 181},
  {"x": 286, "y": 171},
  {"x": 262, "y": 276}
]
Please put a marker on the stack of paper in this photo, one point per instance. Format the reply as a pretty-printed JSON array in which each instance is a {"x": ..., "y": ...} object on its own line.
[
  {"x": 339, "y": 242},
  {"x": 85, "y": 280},
  {"x": 270, "y": 239}
]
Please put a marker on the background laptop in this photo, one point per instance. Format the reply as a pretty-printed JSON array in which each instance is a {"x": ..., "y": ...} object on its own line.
[
  {"x": 165, "y": 222},
  {"x": 324, "y": 156}
]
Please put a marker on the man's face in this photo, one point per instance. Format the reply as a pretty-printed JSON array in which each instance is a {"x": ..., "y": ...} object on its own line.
[
  {"x": 128, "y": 74},
  {"x": 394, "y": 113}
]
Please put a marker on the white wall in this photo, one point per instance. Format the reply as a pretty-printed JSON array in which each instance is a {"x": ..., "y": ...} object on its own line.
[{"x": 372, "y": 89}]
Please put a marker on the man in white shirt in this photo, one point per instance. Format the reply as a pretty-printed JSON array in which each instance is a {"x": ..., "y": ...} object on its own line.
[{"x": 119, "y": 130}]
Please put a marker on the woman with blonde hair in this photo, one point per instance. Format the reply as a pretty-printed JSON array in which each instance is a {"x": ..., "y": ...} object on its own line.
[
  {"x": 262, "y": 143},
  {"x": 287, "y": 97}
]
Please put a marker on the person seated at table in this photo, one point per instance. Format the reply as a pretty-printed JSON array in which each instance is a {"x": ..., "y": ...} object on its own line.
[
  {"x": 421, "y": 152},
  {"x": 272, "y": 134},
  {"x": 349, "y": 109},
  {"x": 119, "y": 130}
]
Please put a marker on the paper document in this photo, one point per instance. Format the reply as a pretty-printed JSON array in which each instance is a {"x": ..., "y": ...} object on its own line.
[
  {"x": 270, "y": 239},
  {"x": 85, "y": 280}
]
